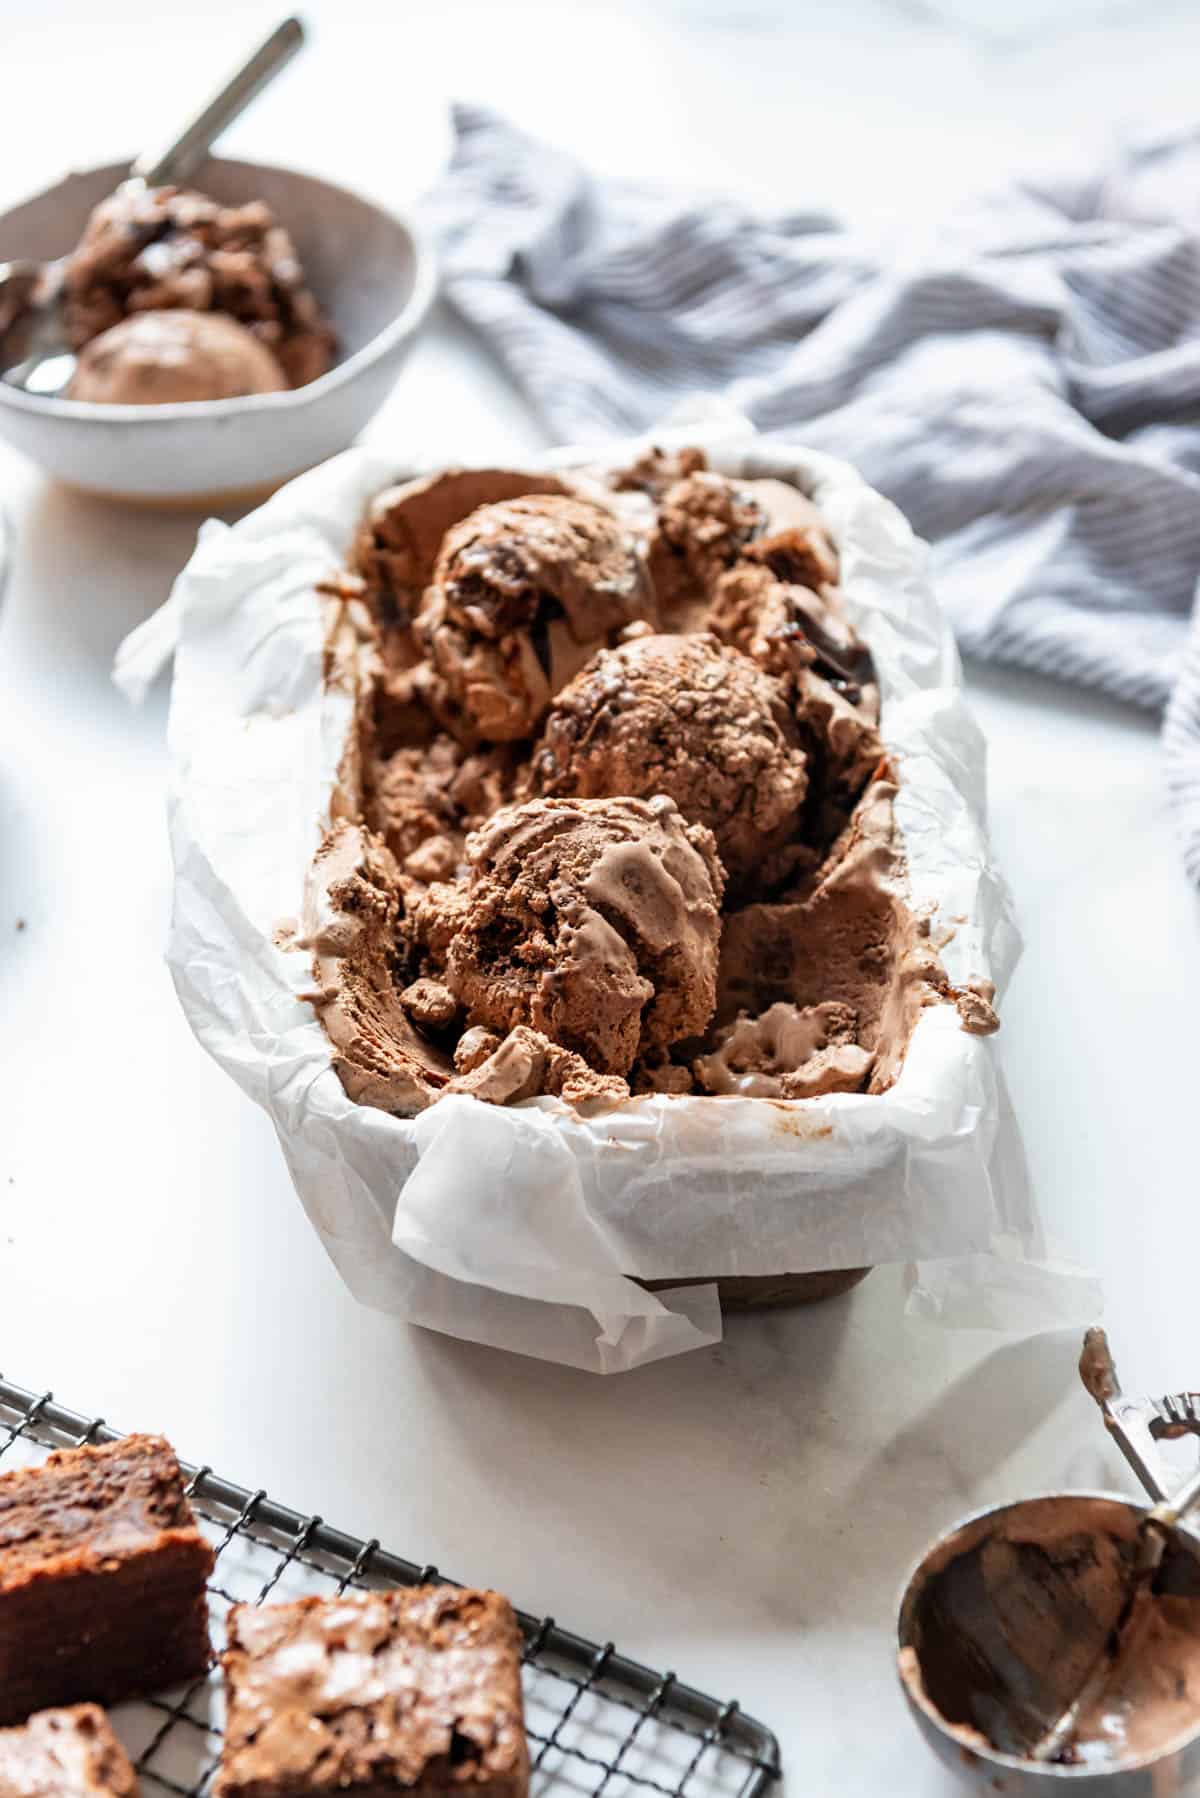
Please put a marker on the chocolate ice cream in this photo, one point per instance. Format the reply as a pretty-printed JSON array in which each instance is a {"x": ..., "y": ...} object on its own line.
[
  {"x": 393, "y": 1036},
  {"x": 352, "y": 930},
  {"x": 787, "y": 1052},
  {"x": 617, "y": 816},
  {"x": 166, "y": 248},
  {"x": 705, "y": 524},
  {"x": 424, "y": 800},
  {"x": 161, "y": 358},
  {"x": 522, "y": 594},
  {"x": 849, "y": 937},
  {"x": 685, "y": 716},
  {"x": 780, "y": 604},
  {"x": 595, "y": 921},
  {"x": 401, "y": 534},
  {"x": 398, "y": 548}
]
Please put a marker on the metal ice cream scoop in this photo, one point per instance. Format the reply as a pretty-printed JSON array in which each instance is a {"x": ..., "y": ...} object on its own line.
[
  {"x": 34, "y": 351},
  {"x": 1137, "y": 1425},
  {"x": 1058, "y": 1638}
]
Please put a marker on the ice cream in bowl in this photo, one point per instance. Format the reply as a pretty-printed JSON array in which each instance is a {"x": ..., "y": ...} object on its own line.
[{"x": 227, "y": 333}]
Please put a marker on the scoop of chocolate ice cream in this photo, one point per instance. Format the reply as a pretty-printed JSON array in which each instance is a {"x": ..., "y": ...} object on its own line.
[
  {"x": 690, "y": 718},
  {"x": 161, "y": 358},
  {"x": 523, "y": 592},
  {"x": 705, "y": 522},
  {"x": 166, "y": 248},
  {"x": 780, "y": 603},
  {"x": 400, "y": 536},
  {"x": 595, "y": 921}
]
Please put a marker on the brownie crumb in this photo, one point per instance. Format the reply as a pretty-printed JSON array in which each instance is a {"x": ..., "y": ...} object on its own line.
[{"x": 65, "y": 1754}]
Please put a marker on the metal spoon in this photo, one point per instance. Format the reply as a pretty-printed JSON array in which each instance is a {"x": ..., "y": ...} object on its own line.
[
  {"x": 34, "y": 352},
  {"x": 1137, "y": 1425}
]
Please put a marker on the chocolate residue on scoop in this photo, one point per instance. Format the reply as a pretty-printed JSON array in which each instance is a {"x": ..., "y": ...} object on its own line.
[
  {"x": 1097, "y": 1369},
  {"x": 616, "y": 814},
  {"x": 1004, "y": 1626}
]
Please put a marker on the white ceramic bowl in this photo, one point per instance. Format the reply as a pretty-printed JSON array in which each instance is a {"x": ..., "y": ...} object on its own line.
[{"x": 367, "y": 267}]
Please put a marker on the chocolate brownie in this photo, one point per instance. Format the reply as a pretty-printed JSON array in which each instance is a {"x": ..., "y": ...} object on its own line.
[
  {"x": 416, "y": 1691},
  {"x": 65, "y": 1754},
  {"x": 102, "y": 1578}
]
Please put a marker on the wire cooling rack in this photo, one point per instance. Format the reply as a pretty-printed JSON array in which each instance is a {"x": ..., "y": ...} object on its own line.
[{"x": 599, "y": 1724}]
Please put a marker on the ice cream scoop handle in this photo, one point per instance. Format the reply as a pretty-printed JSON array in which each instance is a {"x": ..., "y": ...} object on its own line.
[
  {"x": 1167, "y": 1514},
  {"x": 186, "y": 151}
]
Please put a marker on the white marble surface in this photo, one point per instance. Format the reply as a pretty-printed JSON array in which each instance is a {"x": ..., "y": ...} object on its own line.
[{"x": 745, "y": 1515}]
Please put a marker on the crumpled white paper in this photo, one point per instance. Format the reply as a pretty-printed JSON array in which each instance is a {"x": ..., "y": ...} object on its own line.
[{"x": 521, "y": 1227}]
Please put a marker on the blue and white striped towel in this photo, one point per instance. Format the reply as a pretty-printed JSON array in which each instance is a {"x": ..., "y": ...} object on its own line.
[{"x": 1026, "y": 387}]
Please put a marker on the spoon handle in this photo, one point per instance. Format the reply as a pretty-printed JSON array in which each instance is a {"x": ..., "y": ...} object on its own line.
[{"x": 187, "y": 150}]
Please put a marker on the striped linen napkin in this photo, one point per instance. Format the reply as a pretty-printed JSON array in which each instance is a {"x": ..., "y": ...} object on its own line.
[{"x": 1025, "y": 385}]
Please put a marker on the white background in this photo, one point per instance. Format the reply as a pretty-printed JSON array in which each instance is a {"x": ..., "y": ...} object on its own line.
[{"x": 744, "y": 1515}]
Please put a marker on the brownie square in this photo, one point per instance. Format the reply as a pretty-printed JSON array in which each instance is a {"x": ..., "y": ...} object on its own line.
[
  {"x": 102, "y": 1578},
  {"x": 65, "y": 1754},
  {"x": 413, "y": 1691}
]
